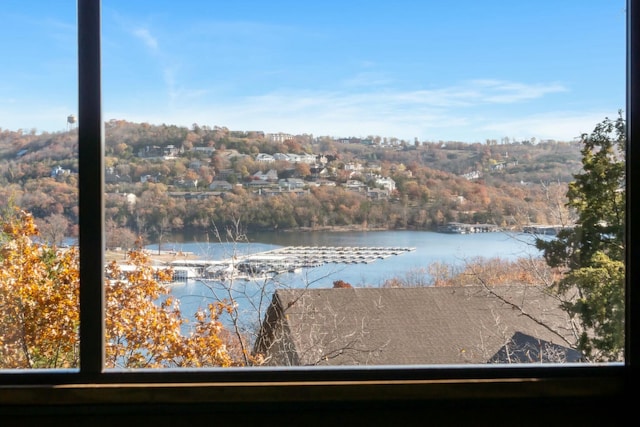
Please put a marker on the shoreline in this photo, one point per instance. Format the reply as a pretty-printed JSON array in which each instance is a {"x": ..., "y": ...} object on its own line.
[{"x": 163, "y": 257}]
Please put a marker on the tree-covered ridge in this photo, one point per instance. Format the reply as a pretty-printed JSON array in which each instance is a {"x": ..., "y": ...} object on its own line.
[{"x": 162, "y": 178}]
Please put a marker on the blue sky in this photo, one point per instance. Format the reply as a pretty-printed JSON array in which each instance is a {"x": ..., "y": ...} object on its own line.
[{"x": 429, "y": 69}]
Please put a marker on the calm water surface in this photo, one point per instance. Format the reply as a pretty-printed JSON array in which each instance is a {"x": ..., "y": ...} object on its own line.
[
  {"x": 429, "y": 247},
  {"x": 254, "y": 296}
]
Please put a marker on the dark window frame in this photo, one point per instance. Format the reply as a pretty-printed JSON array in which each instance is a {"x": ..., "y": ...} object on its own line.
[{"x": 93, "y": 384}]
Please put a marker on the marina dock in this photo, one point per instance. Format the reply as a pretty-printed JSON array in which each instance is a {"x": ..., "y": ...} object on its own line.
[
  {"x": 463, "y": 228},
  {"x": 279, "y": 261}
]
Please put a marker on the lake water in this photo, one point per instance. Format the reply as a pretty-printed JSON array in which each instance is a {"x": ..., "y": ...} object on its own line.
[{"x": 429, "y": 247}]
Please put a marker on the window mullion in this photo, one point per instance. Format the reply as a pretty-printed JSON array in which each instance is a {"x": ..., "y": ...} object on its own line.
[
  {"x": 633, "y": 137},
  {"x": 91, "y": 188}
]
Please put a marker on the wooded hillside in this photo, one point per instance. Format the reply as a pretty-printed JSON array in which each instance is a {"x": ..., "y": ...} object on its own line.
[{"x": 165, "y": 178}]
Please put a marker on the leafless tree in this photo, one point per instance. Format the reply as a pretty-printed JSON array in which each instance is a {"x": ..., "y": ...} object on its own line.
[
  {"x": 251, "y": 297},
  {"x": 517, "y": 347},
  {"x": 312, "y": 333},
  {"x": 522, "y": 306},
  {"x": 53, "y": 229}
]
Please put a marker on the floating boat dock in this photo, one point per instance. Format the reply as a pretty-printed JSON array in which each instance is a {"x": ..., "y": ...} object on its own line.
[
  {"x": 462, "y": 228},
  {"x": 278, "y": 261},
  {"x": 309, "y": 256}
]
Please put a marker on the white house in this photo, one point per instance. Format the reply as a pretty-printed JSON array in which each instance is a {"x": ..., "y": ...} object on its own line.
[
  {"x": 264, "y": 158},
  {"x": 59, "y": 171},
  {"x": 386, "y": 183}
]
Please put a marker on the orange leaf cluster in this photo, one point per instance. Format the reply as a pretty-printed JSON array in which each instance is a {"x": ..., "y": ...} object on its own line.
[
  {"x": 39, "y": 314},
  {"x": 495, "y": 272},
  {"x": 144, "y": 327}
]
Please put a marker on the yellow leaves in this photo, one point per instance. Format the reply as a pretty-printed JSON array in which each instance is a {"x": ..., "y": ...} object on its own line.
[
  {"x": 21, "y": 224},
  {"x": 144, "y": 327},
  {"x": 39, "y": 299},
  {"x": 494, "y": 271}
]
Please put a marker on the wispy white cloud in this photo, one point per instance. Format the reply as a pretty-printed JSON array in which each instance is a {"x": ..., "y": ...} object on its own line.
[
  {"x": 470, "y": 111},
  {"x": 559, "y": 125},
  {"x": 481, "y": 92},
  {"x": 145, "y": 36},
  {"x": 175, "y": 91},
  {"x": 367, "y": 79},
  {"x": 498, "y": 91}
]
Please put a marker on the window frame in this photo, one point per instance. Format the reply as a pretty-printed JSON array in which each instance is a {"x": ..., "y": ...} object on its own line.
[{"x": 91, "y": 383}]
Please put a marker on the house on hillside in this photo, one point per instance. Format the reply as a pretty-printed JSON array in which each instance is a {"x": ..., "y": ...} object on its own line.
[
  {"x": 270, "y": 176},
  {"x": 112, "y": 177},
  {"x": 283, "y": 157},
  {"x": 387, "y": 183},
  {"x": 307, "y": 158},
  {"x": 318, "y": 171},
  {"x": 472, "y": 175},
  {"x": 320, "y": 182},
  {"x": 220, "y": 185},
  {"x": 292, "y": 183},
  {"x": 59, "y": 171},
  {"x": 183, "y": 182},
  {"x": 206, "y": 150},
  {"x": 155, "y": 151},
  {"x": 414, "y": 326},
  {"x": 355, "y": 185},
  {"x": 264, "y": 158},
  {"x": 151, "y": 178},
  {"x": 279, "y": 137},
  {"x": 353, "y": 167},
  {"x": 377, "y": 194}
]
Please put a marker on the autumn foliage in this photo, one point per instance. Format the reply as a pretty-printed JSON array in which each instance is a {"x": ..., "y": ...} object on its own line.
[
  {"x": 494, "y": 272},
  {"x": 341, "y": 284},
  {"x": 144, "y": 327},
  {"x": 39, "y": 316}
]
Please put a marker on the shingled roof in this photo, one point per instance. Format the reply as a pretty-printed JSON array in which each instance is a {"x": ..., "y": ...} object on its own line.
[{"x": 414, "y": 326}]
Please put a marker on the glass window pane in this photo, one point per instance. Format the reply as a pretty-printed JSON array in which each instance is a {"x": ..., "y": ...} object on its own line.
[
  {"x": 334, "y": 184},
  {"x": 39, "y": 264}
]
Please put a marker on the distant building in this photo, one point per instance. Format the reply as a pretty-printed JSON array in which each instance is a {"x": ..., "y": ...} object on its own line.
[
  {"x": 307, "y": 158},
  {"x": 220, "y": 186},
  {"x": 292, "y": 183},
  {"x": 472, "y": 175},
  {"x": 386, "y": 183},
  {"x": 270, "y": 176},
  {"x": 59, "y": 171},
  {"x": 321, "y": 182},
  {"x": 279, "y": 137},
  {"x": 111, "y": 177},
  {"x": 355, "y": 185},
  {"x": 282, "y": 157},
  {"x": 185, "y": 183},
  {"x": 377, "y": 194},
  {"x": 150, "y": 178},
  {"x": 207, "y": 150},
  {"x": 154, "y": 151},
  {"x": 353, "y": 167},
  {"x": 265, "y": 158}
]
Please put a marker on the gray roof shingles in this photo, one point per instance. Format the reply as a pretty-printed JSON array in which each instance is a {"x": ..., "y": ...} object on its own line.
[{"x": 408, "y": 326}]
